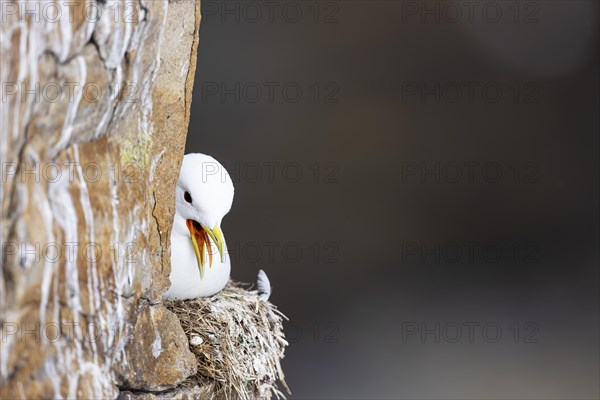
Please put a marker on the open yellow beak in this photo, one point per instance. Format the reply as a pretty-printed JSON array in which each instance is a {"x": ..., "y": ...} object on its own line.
[{"x": 201, "y": 236}]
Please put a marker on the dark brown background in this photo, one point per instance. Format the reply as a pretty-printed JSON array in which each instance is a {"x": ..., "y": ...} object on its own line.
[{"x": 350, "y": 304}]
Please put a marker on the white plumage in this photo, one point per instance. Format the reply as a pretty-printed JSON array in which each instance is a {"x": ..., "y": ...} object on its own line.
[
  {"x": 200, "y": 265},
  {"x": 263, "y": 285}
]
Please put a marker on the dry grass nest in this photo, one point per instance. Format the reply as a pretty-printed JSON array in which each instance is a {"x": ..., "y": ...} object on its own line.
[{"x": 238, "y": 341}]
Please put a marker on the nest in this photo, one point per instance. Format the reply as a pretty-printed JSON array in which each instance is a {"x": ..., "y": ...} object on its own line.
[{"x": 238, "y": 341}]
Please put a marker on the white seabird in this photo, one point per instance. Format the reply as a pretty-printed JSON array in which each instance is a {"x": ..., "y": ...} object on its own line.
[{"x": 200, "y": 266}]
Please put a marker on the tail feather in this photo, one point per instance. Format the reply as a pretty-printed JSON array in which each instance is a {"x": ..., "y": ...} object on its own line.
[{"x": 263, "y": 285}]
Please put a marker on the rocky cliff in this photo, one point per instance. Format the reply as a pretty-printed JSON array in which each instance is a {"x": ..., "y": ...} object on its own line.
[{"x": 93, "y": 120}]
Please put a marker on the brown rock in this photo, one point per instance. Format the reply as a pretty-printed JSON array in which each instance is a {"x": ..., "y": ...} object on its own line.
[
  {"x": 92, "y": 134},
  {"x": 157, "y": 354}
]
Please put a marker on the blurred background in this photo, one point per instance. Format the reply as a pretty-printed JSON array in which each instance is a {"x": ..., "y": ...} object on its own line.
[{"x": 419, "y": 180}]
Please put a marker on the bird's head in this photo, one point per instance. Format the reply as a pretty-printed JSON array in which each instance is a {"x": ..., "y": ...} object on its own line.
[{"x": 204, "y": 195}]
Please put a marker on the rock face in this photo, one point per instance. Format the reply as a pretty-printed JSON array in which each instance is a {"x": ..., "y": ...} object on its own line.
[
  {"x": 159, "y": 354},
  {"x": 93, "y": 120}
]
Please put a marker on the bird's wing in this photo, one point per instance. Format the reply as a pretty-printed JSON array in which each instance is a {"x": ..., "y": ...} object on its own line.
[{"x": 263, "y": 285}]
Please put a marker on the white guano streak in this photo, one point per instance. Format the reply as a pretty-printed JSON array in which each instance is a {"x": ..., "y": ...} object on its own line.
[
  {"x": 67, "y": 128},
  {"x": 65, "y": 216}
]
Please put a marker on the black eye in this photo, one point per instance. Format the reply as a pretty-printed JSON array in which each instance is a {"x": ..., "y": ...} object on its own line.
[{"x": 187, "y": 197}]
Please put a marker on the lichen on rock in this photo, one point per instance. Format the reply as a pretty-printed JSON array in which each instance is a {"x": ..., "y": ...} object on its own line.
[{"x": 137, "y": 154}]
